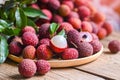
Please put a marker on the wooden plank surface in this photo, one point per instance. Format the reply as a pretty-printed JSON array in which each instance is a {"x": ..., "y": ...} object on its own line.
[{"x": 108, "y": 64}]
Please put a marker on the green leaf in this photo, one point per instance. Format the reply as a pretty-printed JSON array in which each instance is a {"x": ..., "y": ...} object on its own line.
[
  {"x": 53, "y": 28},
  {"x": 31, "y": 12},
  {"x": 1, "y": 28},
  {"x": 3, "y": 49},
  {"x": 11, "y": 31},
  {"x": 21, "y": 19},
  {"x": 4, "y": 23},
  {"x": 62, "y": 32}
]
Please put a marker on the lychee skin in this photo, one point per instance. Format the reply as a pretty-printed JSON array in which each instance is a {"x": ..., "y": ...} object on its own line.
[
  {"x": 83, "y": 12},
  {"x": 70, "y": 53},
  {"x": 69, "y": 4},
  {"x": 44, "y": 52},
  {"x": 95, "y": 28},
  {"x": 27, "y": 68},
  {"x": 42, "y": 67},
  {"x": 95, "y": 37},
  {"x": 44, "y": 1},
  {"x": 76, "y": 22},
  {"x": 35, "y": 6},
  {"x": 28, "y": 29},
  {"x": 108, "y": 27},
  {"x": 85, "y": 49},
  {"x": 48, "y": 14},
  {"x": 15, "y": 48},
  {"x": 29, "y": 38},
  {"x": 56, "y": 18},
  {"x": 45, "y": 41},
  {"x": 29, "y": 52},
  {"x": 54, "y": 4},
  {"x": 44, "y": 31},
  {"x": 102, "y": 33},
  {"x": 73, "y": 14},
  {"x": 64, "y": 10},
  {"x": 80, "y": 2},
  {"x": 97, "y": 45},
  {"x": 66, "y": 26},
  {"x": 114, "y": 46}
]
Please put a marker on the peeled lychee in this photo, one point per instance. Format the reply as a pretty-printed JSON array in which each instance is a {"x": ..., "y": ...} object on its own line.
[
  {"x": 58, "y": 43},
  {"x": 85, "y": 49},
  {"x": 97, "y": 45},
  {"x": 29, "y": 52},
  {"x": 44, "y": 52},
  {"x": 42, "y": 67},
  {"x": 70, "y": 53},
  {"x": 85, "y": 37},
  {"x": 28, "y": 29},
  {"x": 15, "y": 48},
  {"x": 27, "y": 68},
  {"x": 64, "y": 10},
  {"x": 76, "y": 22},
  {"x": 114, "y": 46},
  {"x": 44, "y": 31},
  {"x": 29, "y": 38}
]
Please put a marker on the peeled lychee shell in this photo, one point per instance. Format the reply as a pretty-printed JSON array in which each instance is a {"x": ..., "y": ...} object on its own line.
[
  {"x": 58, "y": 43},
  {"x": 29, "y": 52},
  {"x": 70, "y": 53},
  {"x": 97, "y": 45},
  {"x": 15, "y": 48},
  {"x": 28, "y": 29},
  {"x": 44, "y": 52},
  {"x": 27, "y": 68},
  {"x": 42, "y": 67},
  {"x": 85, "y": 49},
  {"x": 114, "y": 46},
  {"x": 29, "y": 38}
]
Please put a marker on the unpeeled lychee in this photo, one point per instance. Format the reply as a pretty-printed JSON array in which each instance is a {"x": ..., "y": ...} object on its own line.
[
  {"x": 73, "y": 14},
  {"x": 27, "y": 68},
  {"x": 29, "y": 38},
  {"x": 85, "y": 49},
  {"x": 70, "y": 53},
  {"x": 42, "y": 67},
  {"x": 97, "y": 45},
  {"x": 28, "y": 29},
  {"x": 15, "y": 48},
  {"x": 29, "y": 52},
  {"x": 114, "y": 46},
  {"x": 57, "y": 18},
  {"x": 48, "y": 14},
  {"x": 54, "y": 4},
  {"x": 44, "y": 52},
  {"x": 102, "y": 33},
  {"x": 44, "y": 41},
  {"x": 69, "y": 3}
]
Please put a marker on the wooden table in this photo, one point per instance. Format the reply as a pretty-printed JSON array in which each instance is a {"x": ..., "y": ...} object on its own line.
[{"x": 106, "y": 67}]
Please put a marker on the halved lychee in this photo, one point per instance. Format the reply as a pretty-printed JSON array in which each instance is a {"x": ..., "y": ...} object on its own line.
[
  {"x": 58, "y": 43},
  {"x": 85, "y": 37}
]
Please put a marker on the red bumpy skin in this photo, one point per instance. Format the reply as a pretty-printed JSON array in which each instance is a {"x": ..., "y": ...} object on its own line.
[
  {"x": 42, "y": 66},
  {"x": 45, "y": 41},
  {"x": 28, "y": 29},
  {"x": 27, "y": 68}
]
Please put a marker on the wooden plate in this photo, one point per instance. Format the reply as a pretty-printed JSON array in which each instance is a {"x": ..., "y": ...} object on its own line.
[{"x": 55, "y": 63}]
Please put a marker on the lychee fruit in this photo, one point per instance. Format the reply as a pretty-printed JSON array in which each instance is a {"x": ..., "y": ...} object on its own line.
[
  {"x": 85, "y": 37},
  {"x": 79, "y": 2},
  {"x": 102, "y": 33},
  {"x": 98, "y": 17},
  {"x": 114, "y": 46},
  {"x": 85, "y": 49},
  {"x": 73, "y": 14},
  {"x": 27, "y": 68},
  {"x": 108, "y": 27},
  {"x": 56, "y": 18},
  {"x": 44, "y": 1},
  {"x": 83, "y": 12},
  {"x": 29, "y": 52},
  {"x": 29, "y": 38},
  {"x": 54, "y": 4},
  {"x": 48, "y": 14},
  {"x": 95, "y": 37},
  {"x": 44, "y": 52},
  {"x": 44, "y": 31},
  {"x": 97, "y": 45},
  {"x": 69, "y": 3},
  {"x": 70, "y": 53},
  {"x": 64, "y": 10},
  {"x": 35, "y": 6},
  {"x": 58, "y": 43},
  {"x": 76, "y": 22},
  {"x": 42, "y": 67},
  {"x": 86, "y": 26},
  {"x": 66, "y": 26},
  {"x": 95, "y": 27},
  {"x": 44, "y": 41},
  {"x": 15, "y": 48},
  {"x": 28, "y": 29},
  {"x": 73, "y": 37}
]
